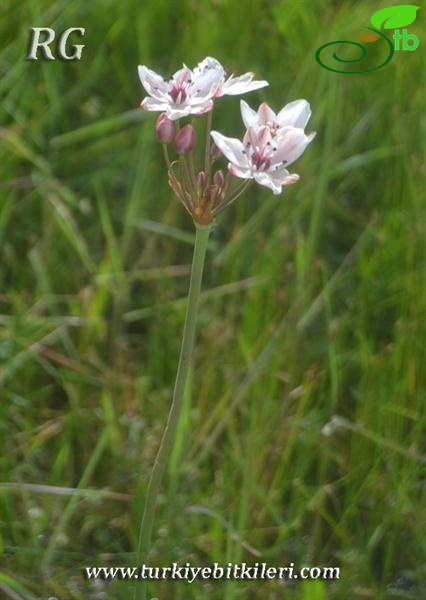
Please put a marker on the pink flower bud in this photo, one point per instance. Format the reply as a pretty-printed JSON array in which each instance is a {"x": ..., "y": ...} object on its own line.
[
  {"x": 219, "y": 179},
  {"x": 185, "y": 139},
  {"x": 214, "y": 151},
  {"x": 165, "y": 129}
]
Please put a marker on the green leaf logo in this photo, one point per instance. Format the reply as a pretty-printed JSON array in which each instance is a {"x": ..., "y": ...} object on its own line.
[{"x": 395, "y": 16}]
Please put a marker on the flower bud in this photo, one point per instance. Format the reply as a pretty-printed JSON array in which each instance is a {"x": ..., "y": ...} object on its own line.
[
  {"x": 219, "y": 179},
  {"x": 165, "y": 129},
  {"x": 214, "y": 151},
  {"x": 185, "y": 139}
]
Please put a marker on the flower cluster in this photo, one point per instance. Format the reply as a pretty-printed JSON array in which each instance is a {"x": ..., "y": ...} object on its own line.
[
  {"x": 191, "y": 92},
  {"x": 271, "y": 142}
]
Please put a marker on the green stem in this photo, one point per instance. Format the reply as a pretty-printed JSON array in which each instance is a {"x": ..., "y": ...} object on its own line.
[{"x": 166, "y": 445}]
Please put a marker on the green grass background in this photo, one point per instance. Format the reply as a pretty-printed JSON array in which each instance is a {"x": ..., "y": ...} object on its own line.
[{"x": 301, "y": 437}]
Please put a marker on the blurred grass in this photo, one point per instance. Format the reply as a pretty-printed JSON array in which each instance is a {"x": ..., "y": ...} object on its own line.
[{"x": 302, "y": 436}]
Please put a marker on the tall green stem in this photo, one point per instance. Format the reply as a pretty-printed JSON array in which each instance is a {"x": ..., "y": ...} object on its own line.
[{"x": 166, "y": 445}]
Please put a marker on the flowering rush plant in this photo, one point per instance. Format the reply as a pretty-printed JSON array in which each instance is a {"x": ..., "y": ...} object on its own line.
[{"x": 271, "y": 143}]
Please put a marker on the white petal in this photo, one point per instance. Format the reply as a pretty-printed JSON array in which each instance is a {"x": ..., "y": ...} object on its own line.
[
  {"x": 232, "y": 148},
  {"x": 200, "y": 108},
  {"x": 208, "y": 63},
  {"x": 268, "y": 181},
  {"x": 240, "y": 85},
  {"x": 153, "y": 83},
  {"x": 274, "y": 180},
  {"x": 295, "y": 113},
  {"x": 291, "y": 143},
  {"x": 278, "y": 174},
  {"x": 205, "y": 84},
  {"x": 174, "y": 113},
  {"x": 249, "y": 116},
  {"x": 241, "y": 173},
  {"x": 152, "y": 104},
  {"x": 291, "y": 179},
  {"x": 178, "y": 113},
  {"x": 283, "y": 177}
]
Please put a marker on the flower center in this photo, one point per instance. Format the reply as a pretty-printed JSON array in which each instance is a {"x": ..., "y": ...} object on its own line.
[
  {"x": 260, "y": 160},
  {"x": 178, "y": 93}
]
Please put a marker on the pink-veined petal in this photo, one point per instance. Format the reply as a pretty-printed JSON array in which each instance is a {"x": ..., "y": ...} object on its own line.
[
  {"x": 263, "y": 136},
  {"x": 266, "y": 114},
  {"x": 232, "y": 148},
  {"x": 257, "y": 137},
  {"x": 295, "y": 113},
  {"x": 182, "y": 76}
]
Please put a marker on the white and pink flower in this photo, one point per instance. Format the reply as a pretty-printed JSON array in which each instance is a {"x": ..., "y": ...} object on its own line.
[
  {"x": 192, "y": 92},
  {"x": 294, "y": 114},
  {"x": 264, "y": 156}
]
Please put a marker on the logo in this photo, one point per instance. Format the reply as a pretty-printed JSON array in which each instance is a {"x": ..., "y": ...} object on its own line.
[
  {"x": 394, "y": 17},
  {"x": 37, "y": 44}
]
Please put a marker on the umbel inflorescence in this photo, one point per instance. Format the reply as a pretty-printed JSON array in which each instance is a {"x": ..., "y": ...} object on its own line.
[{"x": 271, "y": 143}]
